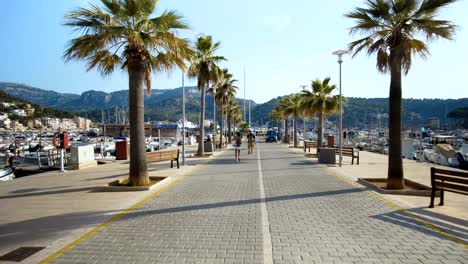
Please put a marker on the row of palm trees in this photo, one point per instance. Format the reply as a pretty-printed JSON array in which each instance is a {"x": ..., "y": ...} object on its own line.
[
  {"x": 121, "y": 34},
  {"x": 319, "y": 101},
  {"x": 396, "y": 30}
]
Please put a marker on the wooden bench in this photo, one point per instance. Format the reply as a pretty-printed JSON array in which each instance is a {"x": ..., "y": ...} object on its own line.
[
  {"x": 349, "y": 152},
  {"x": 309, "y": 144},
  {"x": 164, "y": 155},
  {"x": 447, "y": 180}
]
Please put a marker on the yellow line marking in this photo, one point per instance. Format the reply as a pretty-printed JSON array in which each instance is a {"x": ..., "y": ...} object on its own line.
[
  {"x": 100, "y": 227},
  {"x": 398, "y": 208}
]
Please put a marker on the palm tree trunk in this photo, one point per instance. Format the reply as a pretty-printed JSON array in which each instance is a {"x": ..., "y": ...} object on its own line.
[
  {"x": 229, "y": 120},
  {"x": 320, "y": 130},
  {"x": 279, "y": 129},
  {"x": 286, "y": 131},
  {"x": 295, "y": 130},
  {"x": 222, "y": 126},
  {"x": 201, "y": 147},
  {"x": 395, "y": 177},
  {"x": 138, "y": 175}
]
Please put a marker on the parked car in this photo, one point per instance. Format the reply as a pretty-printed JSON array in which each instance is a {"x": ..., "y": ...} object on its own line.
[{"x": 271, "y": 136}]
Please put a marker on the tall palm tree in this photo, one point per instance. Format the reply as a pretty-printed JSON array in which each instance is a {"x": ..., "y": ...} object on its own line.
[
  {"x": 277, "y": 115},
  {"x": 204, "y": 68},
  {"x": 226, "y": 90},
  {"x": 283, "y": 105},
  {"x": 321, "y": 101},
  {"x": 121, "y": 34},
  {"x": 390, "y": 28},
  {"x": 293, "y": 106},
  {"x": 232, "y": 111}
]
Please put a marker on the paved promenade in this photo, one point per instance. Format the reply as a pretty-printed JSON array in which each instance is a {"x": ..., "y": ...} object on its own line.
[{"x": 273, "y": 207}]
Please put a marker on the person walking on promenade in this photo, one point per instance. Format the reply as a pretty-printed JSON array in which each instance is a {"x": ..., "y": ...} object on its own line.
[
  {"x": 237, "y": 145},
  {"x": 251, "y": 142}
]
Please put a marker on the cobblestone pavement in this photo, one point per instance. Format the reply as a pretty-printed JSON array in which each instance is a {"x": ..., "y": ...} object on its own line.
[
  {"x": 317, "y": 218},
  {"x": 212, "y": 216},
  {"x": 215, "y": 216}
]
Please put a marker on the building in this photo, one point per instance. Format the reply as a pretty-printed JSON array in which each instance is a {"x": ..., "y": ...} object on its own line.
[
  {"x": 68, "y": 124},
  {"x": 37, "y": 123},
  {"x": 29, "y": 110},
  {"x": 4, "y": 104},
  {"x": 5, "y": 123},
  {"x": 155, "y": 130},
  {"x": 50, "y": 122},
  {"x": 433, "y": 123},
  {"x": 19, "y": 112},
  {"x": 16, "y": 125},
  {"x": 82, "y": 123}
]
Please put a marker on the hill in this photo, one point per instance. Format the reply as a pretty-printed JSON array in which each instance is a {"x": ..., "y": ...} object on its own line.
[
  {"x": 365, "y": 112},
  {"x": 39, "y": 111},
  {"x": 165, "y": 104}
]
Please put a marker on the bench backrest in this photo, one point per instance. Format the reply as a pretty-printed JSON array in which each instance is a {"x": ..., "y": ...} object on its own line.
[
  {"x": 162, "y": 155},
  {"x": 450, "y": 180},
  {"x": 347, "y": 150}
]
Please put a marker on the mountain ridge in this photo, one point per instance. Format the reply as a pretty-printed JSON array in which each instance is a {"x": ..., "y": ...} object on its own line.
[{"x": 164, "y": 104}]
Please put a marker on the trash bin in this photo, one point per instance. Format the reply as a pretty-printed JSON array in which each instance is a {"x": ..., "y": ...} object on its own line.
[
  {"x": 330, "y": 141},
  {"x": 326, "y": 155},
  {"x": 122, "y": 150}
]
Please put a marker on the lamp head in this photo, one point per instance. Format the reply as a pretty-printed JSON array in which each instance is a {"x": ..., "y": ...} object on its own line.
[{"x": 340, "y": 54}]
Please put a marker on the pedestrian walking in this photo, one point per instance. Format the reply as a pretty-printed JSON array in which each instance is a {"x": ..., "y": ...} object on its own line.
[
  {"x": 251, "y": 142},
  {"x": 237, "y": 145}
]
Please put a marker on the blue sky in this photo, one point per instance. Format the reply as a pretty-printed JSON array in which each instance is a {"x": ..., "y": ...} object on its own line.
[{"x": 282, "y": 44}]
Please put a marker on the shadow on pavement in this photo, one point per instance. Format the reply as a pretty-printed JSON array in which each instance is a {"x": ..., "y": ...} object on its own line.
[
  {"x": 21, "y": 195},
  {"x": 48, "y": 227},
  {"x": 242, "y": 202},
  {"x": 450, "y": 225},
  {"x": 29, "y": 190}
]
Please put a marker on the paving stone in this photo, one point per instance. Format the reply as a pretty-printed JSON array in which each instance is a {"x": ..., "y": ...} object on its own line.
[{"x": 214, "y": 216}]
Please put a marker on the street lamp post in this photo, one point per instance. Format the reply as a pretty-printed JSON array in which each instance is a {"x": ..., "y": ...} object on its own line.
[
  {"x": 304, "y": 118},
  {"x": 340, "y": 54},
  {"x": 214, "y": 118},
  {"x": 183, "y": 118}
]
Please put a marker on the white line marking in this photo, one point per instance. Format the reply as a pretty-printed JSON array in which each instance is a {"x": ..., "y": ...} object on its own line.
[{"x": 267, "y": 244}]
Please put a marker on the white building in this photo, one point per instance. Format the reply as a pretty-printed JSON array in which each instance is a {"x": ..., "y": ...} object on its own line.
[
  {"x": 7, "y": 104},
  {"x": 5, "y": 123},
  {"x": 17, "y": 125},
  {"x": 19, "y": 112},
  {"x": 68, "y": 124},
  {"x": 82, "y": 123},
  {"x": 53, "y": 123}
]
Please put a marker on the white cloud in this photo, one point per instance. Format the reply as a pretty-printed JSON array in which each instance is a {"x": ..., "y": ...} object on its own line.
[{"x": 277, "y": 23}]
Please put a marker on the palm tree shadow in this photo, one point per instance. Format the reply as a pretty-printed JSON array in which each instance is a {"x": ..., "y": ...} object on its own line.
[
  {"x": 242, "y": 202},
  {"x": 50, "y": 192},
  {"x": 450, "y": 225}
]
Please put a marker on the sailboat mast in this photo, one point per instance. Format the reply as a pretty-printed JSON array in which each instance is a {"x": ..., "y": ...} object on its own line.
[{"x": 245, "y": 119}]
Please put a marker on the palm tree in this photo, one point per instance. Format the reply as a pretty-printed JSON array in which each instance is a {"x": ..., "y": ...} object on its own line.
[
  {"x": 390, "y": 27},
  {"x": 321, "y": 101},
  {"x": 226, "y": 90},
  {"x": 121, "y": 34},
  {"x": 277, "y": 116},
  {"x": 293, "y": 105},
  {"x": 282, "y": 107},
  {"x": 232, "y": 112},
  {"x": 204, "y": 68}
]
